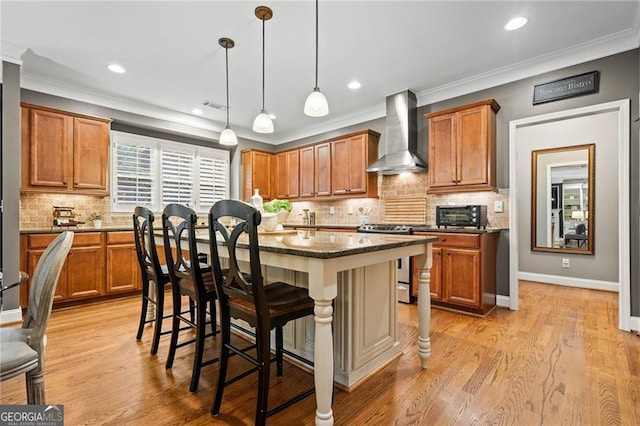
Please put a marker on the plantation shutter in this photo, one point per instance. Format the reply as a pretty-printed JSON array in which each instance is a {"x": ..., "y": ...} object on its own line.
[
  {"x": 177, "y": 177},
  {"x": 212, "y": 181},
  {"x": 134, "y": 172}
]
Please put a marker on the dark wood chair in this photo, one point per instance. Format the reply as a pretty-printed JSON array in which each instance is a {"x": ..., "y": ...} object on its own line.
[
  {"x": 245, "y": 296},
  {"x": 154, "y": 275},
  {"x": 188, "y": 278}
]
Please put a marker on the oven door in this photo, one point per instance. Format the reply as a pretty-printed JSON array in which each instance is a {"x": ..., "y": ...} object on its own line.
[{"x": 404, "y": 280}]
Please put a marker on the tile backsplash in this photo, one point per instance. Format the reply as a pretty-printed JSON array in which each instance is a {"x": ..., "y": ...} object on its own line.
[{"x": 36, "y": 209}]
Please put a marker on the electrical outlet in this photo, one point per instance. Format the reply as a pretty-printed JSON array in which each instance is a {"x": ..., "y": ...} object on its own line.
[
  {"x": 565, "y": 263},
  {"x": 350, "y": 210},
  {"x": 498, "y": 206},
  {"x": 332, "y": 210}
]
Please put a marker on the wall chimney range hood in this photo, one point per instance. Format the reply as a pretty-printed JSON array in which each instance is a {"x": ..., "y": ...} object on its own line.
[{"x": 401, "y": 137}]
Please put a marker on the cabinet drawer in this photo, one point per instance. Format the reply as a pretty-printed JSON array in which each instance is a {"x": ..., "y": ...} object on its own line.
[
  {"x": 36, "y": 241},
  {"x": 120, "y": 237},
  {"x": 456, "y": 240}
]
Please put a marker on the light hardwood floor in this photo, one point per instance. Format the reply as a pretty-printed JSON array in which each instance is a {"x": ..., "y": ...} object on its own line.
[{"x": 559, "y": 360}]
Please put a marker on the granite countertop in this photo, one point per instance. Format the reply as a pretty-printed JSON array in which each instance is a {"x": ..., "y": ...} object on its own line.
[
  {"x": 416, "y": 228},
  {"x": 328, "y": 245},
  {"x": 79, "y": 228}
]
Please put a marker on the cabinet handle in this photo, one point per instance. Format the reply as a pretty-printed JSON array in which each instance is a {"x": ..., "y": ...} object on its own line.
[{"x": 64, "y": 182}]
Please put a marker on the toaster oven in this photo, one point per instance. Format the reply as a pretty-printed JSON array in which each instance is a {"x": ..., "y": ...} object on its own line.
[{"x": 472, "y": 215}]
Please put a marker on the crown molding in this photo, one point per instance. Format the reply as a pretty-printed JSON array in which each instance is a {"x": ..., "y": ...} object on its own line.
[{"x": 12, "y": 52}]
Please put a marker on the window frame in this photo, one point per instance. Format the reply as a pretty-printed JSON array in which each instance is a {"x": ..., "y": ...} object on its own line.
[{"x": 157, "y": 147}]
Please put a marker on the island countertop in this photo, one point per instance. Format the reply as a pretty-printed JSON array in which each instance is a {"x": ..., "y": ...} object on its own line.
[{"x": 328, "y": 245}]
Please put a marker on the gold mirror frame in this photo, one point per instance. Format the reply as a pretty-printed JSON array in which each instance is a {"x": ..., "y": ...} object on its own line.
[{"x": 578, "y": 245}]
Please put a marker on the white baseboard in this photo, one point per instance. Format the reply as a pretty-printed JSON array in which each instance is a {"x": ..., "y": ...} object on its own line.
[
  {"x": 635, "y": 324},
  {"x": 12, "y": 315},
  {"x": 570, "y": 281},
  {"x": 502, "y": 301}
]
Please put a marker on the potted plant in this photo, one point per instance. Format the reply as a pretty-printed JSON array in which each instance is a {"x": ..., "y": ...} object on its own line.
[
  {"x": 282, "y": 208},
  {"x": 96, "y": 218}
]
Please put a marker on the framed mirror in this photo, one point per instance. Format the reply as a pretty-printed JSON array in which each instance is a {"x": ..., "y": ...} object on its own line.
[{"x": 562, "y": 199}]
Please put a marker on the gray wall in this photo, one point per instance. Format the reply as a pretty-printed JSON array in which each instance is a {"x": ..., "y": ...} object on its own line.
[{"x": 11, "y": 179}]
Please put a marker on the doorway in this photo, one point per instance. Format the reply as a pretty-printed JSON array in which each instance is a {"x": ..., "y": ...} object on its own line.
[{"x": 519, "y": 217}]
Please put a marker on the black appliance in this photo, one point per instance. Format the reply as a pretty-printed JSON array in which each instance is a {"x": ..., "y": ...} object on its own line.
[
  {"x": 471, "y": 215},
  {"x": 404, "y": 264}
]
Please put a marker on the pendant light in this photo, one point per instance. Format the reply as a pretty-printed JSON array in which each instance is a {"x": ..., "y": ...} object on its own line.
[
  {"x": 316, "y": 104},
  {"x": 263, "y": 123},
  {"x": 228, "y": 136}
]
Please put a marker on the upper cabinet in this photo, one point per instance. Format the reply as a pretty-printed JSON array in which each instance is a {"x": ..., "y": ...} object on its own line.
[
  {"x": 287, "y": 174},
  {"x": 256, "y": 173},
  {"x": 330, "y": 169},
  {"x": 350, "y": 156},
  {"x": 462, "y": 148},
  {"x": 64, "y": 152}
]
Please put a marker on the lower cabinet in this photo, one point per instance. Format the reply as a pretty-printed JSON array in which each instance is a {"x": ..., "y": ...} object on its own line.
[
  {"x": 463, "y": 273},
  {"x": 123, "y": 270},
  {"x": 98, "y": 264}
]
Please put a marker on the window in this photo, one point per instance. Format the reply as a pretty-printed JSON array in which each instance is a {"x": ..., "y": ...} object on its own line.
[{"x": 154, "y": 172}]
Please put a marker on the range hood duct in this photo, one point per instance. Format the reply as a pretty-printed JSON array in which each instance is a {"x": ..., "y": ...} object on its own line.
[{"x": 401, "y": 137}]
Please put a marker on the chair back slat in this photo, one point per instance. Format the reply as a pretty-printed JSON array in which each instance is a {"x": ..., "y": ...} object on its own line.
[
  {"x": 43, "y": 285},
  {"x": 179, "y": 229},
  {"x": 146, "y": 251},
  {"x": 243, "y": 219}
]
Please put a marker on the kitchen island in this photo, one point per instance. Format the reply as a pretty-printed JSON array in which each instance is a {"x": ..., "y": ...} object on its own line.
[{"x": 355, "y": 272}]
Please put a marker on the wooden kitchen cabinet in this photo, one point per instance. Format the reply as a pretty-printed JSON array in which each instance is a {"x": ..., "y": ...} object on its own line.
[
  {"x": 287, "y": 174},
  {"x": 350, "y": 156},
  {"x": 82, "y": 275},
  {"x": 463, "y": 272},
  {"x": 256, "y": 174},
  {"x": 123, "y": 270},
  {"x": 315, "y": 171},
  {"x": 462, "y": 148},
  {"x": 64, "y": 152}
]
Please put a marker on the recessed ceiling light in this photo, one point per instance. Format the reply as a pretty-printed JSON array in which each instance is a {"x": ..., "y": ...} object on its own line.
[
  {"x": 116, "y": 68},
  {"x": 516, "y": 23},
  {"x": 197, "y": 111},
  {"x": 355, "y": 84}
]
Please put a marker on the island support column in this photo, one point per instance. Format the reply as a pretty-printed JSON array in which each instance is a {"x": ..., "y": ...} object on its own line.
[
  {"x": 323, "y": 288},
  {"x": 424, "y": 262}
]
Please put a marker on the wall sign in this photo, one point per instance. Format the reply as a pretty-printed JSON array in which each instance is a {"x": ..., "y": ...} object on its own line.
[{"x": 569, "y": 87}]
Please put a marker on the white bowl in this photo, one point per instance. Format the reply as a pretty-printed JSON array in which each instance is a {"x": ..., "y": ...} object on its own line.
[{"x": 269, "y": 221}]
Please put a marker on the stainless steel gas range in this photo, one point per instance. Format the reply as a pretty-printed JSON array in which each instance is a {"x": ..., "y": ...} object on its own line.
[{"x": 404, "y": 265}]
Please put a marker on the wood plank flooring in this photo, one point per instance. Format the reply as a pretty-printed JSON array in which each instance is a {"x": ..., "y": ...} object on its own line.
[{"x": 559, "y": 360}]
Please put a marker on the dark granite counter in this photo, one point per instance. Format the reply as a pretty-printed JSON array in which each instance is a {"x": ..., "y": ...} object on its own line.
[
  {"x": 328, "y": 245},
  {"x": 416, "y": 228},
  {"x": 80, "y": 228}
]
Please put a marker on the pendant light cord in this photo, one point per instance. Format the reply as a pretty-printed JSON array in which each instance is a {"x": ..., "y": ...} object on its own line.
[
  {"x": 316, "y": 44},
  {"x": 226, "y": 54},
  {"x": 263, "y": 65}
]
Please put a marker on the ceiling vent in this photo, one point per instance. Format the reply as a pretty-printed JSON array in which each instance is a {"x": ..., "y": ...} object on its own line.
[{"x": 214, "y": 105}]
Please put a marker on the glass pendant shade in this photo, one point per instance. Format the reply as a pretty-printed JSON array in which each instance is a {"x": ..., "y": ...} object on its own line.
[
  {"x": 263, "y": 123},
  {"x": 228, "y": 137},
  {"x": 316, "y": 104}
]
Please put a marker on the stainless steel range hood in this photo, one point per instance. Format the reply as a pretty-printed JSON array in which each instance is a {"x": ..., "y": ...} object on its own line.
[{"x": 401, "y": 137}]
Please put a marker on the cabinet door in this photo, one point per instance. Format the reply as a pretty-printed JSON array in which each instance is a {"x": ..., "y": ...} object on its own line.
[
  {"x": 256, "y": 174},
  {"x": 61, "y": 288},
  {"x": 322, "y": 170},
  {"x": 90, "y": 152},
  {"x": 85, "y": 272},
  {"x": 49, "y": 148},
  {"x": 473, "y": 146},
  {"x": 307, "y": 172},
  {"x": 340, "y": 162},
  {"x": 287, "y": 174},
  {"x": 442, "y": 151},
  {"x": 461, "y": 276},
  {"x": 349, "y": 163},
  {"x": 123, "y": 270}
]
